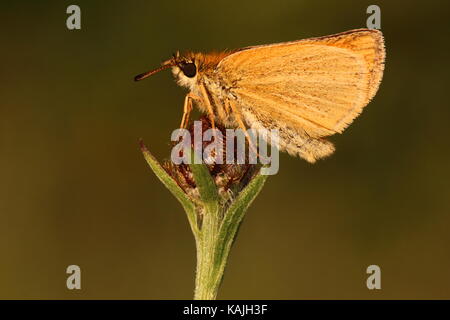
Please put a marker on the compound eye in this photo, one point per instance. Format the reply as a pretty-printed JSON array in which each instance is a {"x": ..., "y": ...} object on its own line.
[{"x": 189, "y": 69}]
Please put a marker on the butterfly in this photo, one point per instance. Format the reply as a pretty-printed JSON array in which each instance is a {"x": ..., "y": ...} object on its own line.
[{"x": 306, "y": 89}]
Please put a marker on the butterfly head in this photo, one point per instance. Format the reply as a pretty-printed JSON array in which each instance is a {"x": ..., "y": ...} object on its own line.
[
  {"x": 189, "y": 68},
  {"x": 185, "y": 68}
]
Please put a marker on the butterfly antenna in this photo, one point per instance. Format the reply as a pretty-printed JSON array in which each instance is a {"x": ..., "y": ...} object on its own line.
[{"x": 147, "y": 74}]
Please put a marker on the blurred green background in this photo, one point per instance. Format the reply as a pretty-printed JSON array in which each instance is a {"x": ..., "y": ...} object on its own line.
[{"x": 75, "y": 189}]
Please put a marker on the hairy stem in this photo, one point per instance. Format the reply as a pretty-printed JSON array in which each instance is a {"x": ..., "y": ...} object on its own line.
[{"x": 209, "y": 272}]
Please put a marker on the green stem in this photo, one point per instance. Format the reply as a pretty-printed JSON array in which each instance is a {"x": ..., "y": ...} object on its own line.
[
  {"x": 209, "y": 272},
  {"x": 215, "y": 238}
]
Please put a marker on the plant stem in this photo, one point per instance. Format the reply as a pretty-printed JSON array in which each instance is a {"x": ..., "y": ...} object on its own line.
[
  {"x": 209, "y": 272},
  {"x": 215, "y": 238}
]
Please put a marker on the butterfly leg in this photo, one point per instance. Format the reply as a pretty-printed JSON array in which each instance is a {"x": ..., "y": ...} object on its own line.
[
  {"x": 187, "y": 109},
  {"x": 237, "y": 116},
  {"x": 227, "y": 108},
  {"x": 208, "y": 105}
]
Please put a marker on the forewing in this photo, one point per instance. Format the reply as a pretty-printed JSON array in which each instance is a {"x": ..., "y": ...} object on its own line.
[{"x": 315, "y": 85}]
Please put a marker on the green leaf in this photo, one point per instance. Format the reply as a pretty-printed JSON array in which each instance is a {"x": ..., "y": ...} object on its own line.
[
  {"x": 206, "y": 186},
  {"x": 234, "y": 215},
  {"x": 173, "y": 187}
]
